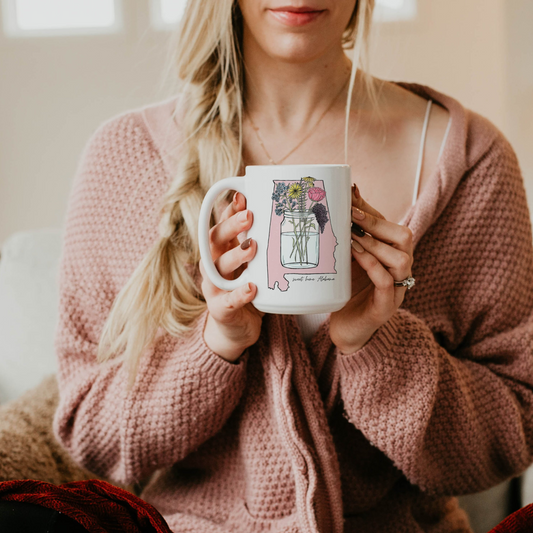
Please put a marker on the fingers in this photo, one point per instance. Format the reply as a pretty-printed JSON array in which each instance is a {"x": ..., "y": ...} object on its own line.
[
  {"x": 383, "y": 249},
  {"x": 232, "y": 260},
  {"x": 397, "y": 235},
  {"x": 223, "y": 304},
  {"x": 360, "y": 203},
  {"x": 386, "y": 297},
  {"x": 397, "y": 262},
  {"x": 237, "y": 204},
  {"x": 223, "y": 235}
]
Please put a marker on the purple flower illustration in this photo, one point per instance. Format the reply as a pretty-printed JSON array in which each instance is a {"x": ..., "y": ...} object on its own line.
[{"x": 321, "y": 215}]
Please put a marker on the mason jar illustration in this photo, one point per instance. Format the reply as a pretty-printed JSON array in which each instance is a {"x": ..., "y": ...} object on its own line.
[{"x": 300, "y": 240}]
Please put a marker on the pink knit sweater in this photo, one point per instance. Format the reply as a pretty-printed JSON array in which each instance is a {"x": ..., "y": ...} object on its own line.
[{"x": 296, "y": 439}]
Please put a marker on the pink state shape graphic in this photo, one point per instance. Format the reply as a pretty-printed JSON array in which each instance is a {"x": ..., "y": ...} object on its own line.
[{"x": 276, "y": 272}]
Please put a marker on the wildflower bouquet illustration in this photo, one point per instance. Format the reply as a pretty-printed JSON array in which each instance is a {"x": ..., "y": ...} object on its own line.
[
  {"x": 303, "y": 217},
  {"x": 299, "y": 220}
]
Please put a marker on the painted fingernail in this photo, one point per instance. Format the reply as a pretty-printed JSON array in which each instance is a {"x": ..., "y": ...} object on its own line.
[
  {"x": 246, "y": 244},
  {"x": 358, "y": 230},
  {"x": 243, "y": 216},
  {"x": 357, "y": 213},
  {"x": 357, "y": 247}
]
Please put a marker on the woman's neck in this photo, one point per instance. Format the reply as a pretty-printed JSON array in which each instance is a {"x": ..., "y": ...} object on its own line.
[{"x": 289, "y": 96}]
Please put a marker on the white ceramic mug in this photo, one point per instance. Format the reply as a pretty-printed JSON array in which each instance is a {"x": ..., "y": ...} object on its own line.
[{"x": 301, "y": 223}]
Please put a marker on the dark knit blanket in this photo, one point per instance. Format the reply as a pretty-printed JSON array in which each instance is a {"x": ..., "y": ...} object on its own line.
[{"x": 96, "y": 505}]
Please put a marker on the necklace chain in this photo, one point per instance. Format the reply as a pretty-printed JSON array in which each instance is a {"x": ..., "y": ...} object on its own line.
[{"x": 311, "y": 131}]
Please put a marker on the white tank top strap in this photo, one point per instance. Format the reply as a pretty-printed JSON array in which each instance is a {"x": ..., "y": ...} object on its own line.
[
  {"x": 421, "y": 152},
  {"x": 422, "y": 149}
]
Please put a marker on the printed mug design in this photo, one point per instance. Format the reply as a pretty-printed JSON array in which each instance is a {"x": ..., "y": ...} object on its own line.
[{"x": 301, "y": 239}]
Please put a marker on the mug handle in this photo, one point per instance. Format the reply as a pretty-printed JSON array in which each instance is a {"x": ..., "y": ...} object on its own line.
[{"x": 237, "y": 184}]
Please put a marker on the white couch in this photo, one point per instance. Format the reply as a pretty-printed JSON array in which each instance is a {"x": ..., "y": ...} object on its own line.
[
  {"x": 28, "y": 317},
  {"x": 28, "y": 310}
]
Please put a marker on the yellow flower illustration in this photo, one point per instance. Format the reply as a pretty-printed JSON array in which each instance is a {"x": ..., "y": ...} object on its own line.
[
  {"x": 309, "y": 180},
  {"x": 295, "y": 190}
]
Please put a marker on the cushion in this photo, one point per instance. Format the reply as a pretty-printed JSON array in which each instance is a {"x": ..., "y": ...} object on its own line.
[
  {"x": 487, "y": 509},
  {"x": 28, "y": 448},
  {"x": 527, "y": 486},
  {"x": 28, "y": 309}
]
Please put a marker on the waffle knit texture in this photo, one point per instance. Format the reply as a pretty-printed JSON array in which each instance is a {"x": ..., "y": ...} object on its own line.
[{"x": 303, "y": 439}]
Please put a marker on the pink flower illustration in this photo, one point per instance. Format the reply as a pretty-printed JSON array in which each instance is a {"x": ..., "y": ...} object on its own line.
[{"x": 316, "y": 194}]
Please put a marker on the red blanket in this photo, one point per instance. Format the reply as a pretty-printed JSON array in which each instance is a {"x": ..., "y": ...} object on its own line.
[
  {"x": 520, "y": 521},
  {"x": 96, "y": 505}
]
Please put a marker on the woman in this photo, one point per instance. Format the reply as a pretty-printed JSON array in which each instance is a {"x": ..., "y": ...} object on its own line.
[{"x": 366, "y": 420}]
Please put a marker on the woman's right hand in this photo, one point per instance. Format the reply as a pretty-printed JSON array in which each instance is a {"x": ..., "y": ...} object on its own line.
[{"x": 233, "y": 323}]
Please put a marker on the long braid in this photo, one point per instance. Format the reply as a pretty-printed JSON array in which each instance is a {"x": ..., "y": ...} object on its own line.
[{"x": 163, "y": 290}]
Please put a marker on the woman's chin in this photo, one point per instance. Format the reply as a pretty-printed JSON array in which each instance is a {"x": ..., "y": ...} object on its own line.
[{"x": 296, "y": 49}]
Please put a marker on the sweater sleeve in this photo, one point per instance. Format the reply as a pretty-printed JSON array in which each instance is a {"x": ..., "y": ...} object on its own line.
[
  {"x": 183, "y": 393},
  {"x": 445, "y": 387}
]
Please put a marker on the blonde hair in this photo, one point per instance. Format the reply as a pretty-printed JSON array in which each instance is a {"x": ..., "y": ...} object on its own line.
[{"x": 162, "y": 291}]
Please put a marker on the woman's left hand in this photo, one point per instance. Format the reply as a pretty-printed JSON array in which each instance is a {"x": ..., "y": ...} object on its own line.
[{"x": 381, "y": 256}]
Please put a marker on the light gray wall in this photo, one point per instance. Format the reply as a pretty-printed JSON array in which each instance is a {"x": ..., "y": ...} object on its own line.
[
  {"x": 519, "y": 29},
  {"x": 457, "y": 47},
  {"x": 55, "y": 91}
]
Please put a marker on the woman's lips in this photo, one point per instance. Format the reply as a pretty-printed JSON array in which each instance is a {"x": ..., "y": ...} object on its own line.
[{"x": 295, "y": 17}]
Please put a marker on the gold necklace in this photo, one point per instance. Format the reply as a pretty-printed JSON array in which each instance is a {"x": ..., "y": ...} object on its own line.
[{"x": 311, "y": 131}]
